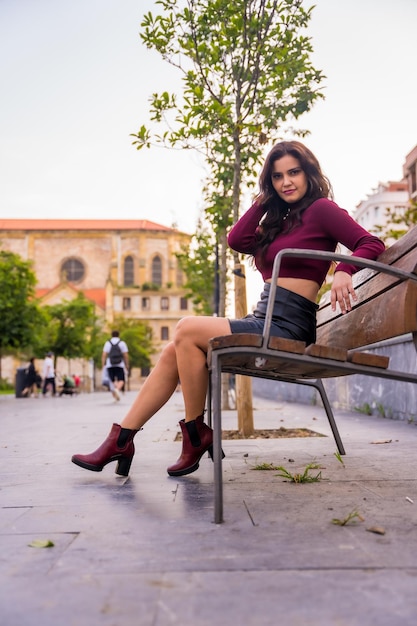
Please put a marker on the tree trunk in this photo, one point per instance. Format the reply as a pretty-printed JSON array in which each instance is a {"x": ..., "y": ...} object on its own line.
[
  {"x": 243, "y": 383},
  {"x": 222, "y": 309}
]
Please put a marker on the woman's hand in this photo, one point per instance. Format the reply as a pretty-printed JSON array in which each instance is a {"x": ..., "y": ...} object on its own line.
[{"x": 342, "y": 291}]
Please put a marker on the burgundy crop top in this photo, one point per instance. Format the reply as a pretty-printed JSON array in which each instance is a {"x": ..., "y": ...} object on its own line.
[{"x": 324, "y": 225}]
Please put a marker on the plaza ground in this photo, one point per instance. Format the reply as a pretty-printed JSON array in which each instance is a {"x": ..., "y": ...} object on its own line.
[{"x": 144, "y": 551}]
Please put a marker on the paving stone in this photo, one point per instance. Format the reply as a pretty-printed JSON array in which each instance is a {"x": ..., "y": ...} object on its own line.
[{"x": 144, "y": 550}]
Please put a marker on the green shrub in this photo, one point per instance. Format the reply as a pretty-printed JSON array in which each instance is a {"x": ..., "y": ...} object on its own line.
[{"x": 5, "y": 385}]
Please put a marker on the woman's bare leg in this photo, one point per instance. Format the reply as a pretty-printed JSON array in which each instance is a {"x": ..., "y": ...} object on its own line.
[
  {"x": 191, "y": 343},
  {"x": 156, "y": 390},
  {"x": 183, "y": 360}
]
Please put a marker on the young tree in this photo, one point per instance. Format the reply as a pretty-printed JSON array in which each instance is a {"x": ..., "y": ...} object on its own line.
[
  {"x": 398, "y": 223},
  {"x": 20, "y": 316},
  {"x": 72, "y": 325},
  {"x": 198, "y": 263},
  {"x": 246, "y": 73}
]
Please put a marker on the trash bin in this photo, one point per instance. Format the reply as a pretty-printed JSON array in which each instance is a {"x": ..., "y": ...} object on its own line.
[{"x": 20, "y": 381}]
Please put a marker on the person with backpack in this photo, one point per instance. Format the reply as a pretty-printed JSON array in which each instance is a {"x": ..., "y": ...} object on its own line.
[{"x": 115, "y": 359}]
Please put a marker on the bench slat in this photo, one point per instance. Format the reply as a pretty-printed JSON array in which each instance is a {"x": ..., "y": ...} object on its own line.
[
  {"x": 287, "y": 345},
  {"x": 278, "y": 367},
  {"x": 366, "y": 358},
  {"x": 390, "y": 314},
  {"x": 326, "y": 352},
  {"x": 368, "y": 286},
  {"x": 237, "y": 339}
]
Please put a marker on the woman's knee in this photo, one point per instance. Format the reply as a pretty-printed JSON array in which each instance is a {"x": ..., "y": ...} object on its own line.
[
  {"x": 186, "y": 329},
  {"x": 199, "y": 329}
]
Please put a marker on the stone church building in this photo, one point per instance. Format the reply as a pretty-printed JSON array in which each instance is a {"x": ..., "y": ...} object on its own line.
[{"x": 128, "y": 268}]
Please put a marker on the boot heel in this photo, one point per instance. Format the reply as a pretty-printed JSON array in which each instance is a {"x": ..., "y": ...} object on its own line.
[
  {"x": 210, "y": 451},
  {"x": 123, "y": 466}
]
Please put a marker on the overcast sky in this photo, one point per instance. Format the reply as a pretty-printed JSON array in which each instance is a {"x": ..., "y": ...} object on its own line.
[{"x": 75, "y": 81}]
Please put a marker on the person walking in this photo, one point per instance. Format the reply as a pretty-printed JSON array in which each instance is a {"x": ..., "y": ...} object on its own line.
[
  {"x": 115, "y": 359},
  {"x": 293, "y": 209},
  {"x": 33, "y": 380},
  {"x": 48, "y": 375}
]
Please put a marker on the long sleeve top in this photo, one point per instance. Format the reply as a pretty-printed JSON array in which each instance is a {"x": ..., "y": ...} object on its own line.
[{"x": 323, "y": 225}]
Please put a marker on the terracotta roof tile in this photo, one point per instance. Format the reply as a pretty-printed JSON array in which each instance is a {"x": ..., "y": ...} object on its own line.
[
  {"x": 31, "y": 224},
  {"x": 98, "y": 296}
]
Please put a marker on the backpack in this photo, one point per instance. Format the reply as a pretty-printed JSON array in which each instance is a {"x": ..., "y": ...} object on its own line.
[{"x": 115, "y": 354}]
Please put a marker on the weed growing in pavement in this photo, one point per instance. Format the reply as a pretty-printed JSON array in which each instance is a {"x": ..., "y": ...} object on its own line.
[
  {"x": 264, "y": 467},
  {"x": 365, "y": 408},
  {"x": 339, "y": 457},
  {"x": 351, "y": 518},
  {"x": 305, "y": 477}
]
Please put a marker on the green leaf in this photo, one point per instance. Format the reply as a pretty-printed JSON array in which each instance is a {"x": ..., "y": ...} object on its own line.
[{"x": 41, "y": 543}]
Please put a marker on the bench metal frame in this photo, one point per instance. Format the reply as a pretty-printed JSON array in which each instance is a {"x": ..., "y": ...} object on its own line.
[{"x": 338, "y": 368}]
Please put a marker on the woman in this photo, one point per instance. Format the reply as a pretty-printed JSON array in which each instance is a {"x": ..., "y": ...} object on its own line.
[
  {"x": 32, "y": 381},
  {"x": 292, "y": 210}
]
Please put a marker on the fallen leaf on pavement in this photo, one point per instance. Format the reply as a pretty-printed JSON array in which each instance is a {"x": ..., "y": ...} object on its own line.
[
  {"x": 378, "y": 530},
  {"x": 41, "y": 543}
]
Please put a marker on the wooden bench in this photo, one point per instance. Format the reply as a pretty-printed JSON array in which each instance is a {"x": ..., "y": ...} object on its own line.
[{"x": 386, "y": 308}]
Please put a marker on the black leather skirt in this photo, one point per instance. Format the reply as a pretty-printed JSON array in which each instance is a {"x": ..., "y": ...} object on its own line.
[{"x": 294, "y": 317}]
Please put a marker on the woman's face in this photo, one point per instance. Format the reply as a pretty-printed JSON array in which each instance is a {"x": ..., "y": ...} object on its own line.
[{"x": 288, "y": 179}]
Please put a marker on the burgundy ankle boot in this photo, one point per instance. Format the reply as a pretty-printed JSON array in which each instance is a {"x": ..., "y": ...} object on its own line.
[
  {"x": 118, "y": 447},
  {"x": 197, "y": 438}
]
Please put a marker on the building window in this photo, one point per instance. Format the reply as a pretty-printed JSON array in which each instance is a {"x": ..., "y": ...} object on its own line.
[
  {"x": 183, "y": 304},
  {"x": 164, "y": 304},
  {"x": 73, "y": 270},
  {"x": 128, "y": 272},
  {"x": 157, "y": 270},
  {"x": 164, "y": 333},
  {"x": 127, "y": 304},
  {"x": 146, "y": 304}
]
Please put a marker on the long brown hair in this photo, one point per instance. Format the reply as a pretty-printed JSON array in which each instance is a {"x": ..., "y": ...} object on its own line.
[{"x": 276, "y": 209}]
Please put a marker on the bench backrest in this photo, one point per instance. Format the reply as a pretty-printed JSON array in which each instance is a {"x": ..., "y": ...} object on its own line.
[{"x": 385, "y": 308}]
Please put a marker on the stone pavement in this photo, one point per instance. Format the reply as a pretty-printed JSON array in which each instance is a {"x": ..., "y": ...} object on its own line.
[{"x": 144, "y": 551}]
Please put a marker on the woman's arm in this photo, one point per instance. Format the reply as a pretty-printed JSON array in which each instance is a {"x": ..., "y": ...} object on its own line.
[{"x": 242, "y": 236}]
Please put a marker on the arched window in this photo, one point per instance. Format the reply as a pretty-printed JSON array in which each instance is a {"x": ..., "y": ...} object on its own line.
[
  {"x": 73, "y": 270},
  {"x": 157, "y": 270},
  {"x": 128, "y": 272}
]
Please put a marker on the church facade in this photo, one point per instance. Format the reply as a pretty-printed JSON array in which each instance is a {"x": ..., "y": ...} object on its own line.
[{"x": 128, "y": 268}]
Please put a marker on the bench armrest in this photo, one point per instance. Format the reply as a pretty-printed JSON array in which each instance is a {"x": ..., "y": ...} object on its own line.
[{"x": 326, "y": 256}]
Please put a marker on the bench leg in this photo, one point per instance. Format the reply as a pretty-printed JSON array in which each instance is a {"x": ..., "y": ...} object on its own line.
[
  {"x": 215, "y": 414},
  {"x": 318, "y": 384},
  {"x": 209, "y": 403}
]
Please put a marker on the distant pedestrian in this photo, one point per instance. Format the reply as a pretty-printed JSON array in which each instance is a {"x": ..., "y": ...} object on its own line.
[
  {"x": 48, "y": 375},
  {"x": 115, "y": 359},
  {"x": 32, "y": 381},
  {"x": 68, "y": 386}
]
